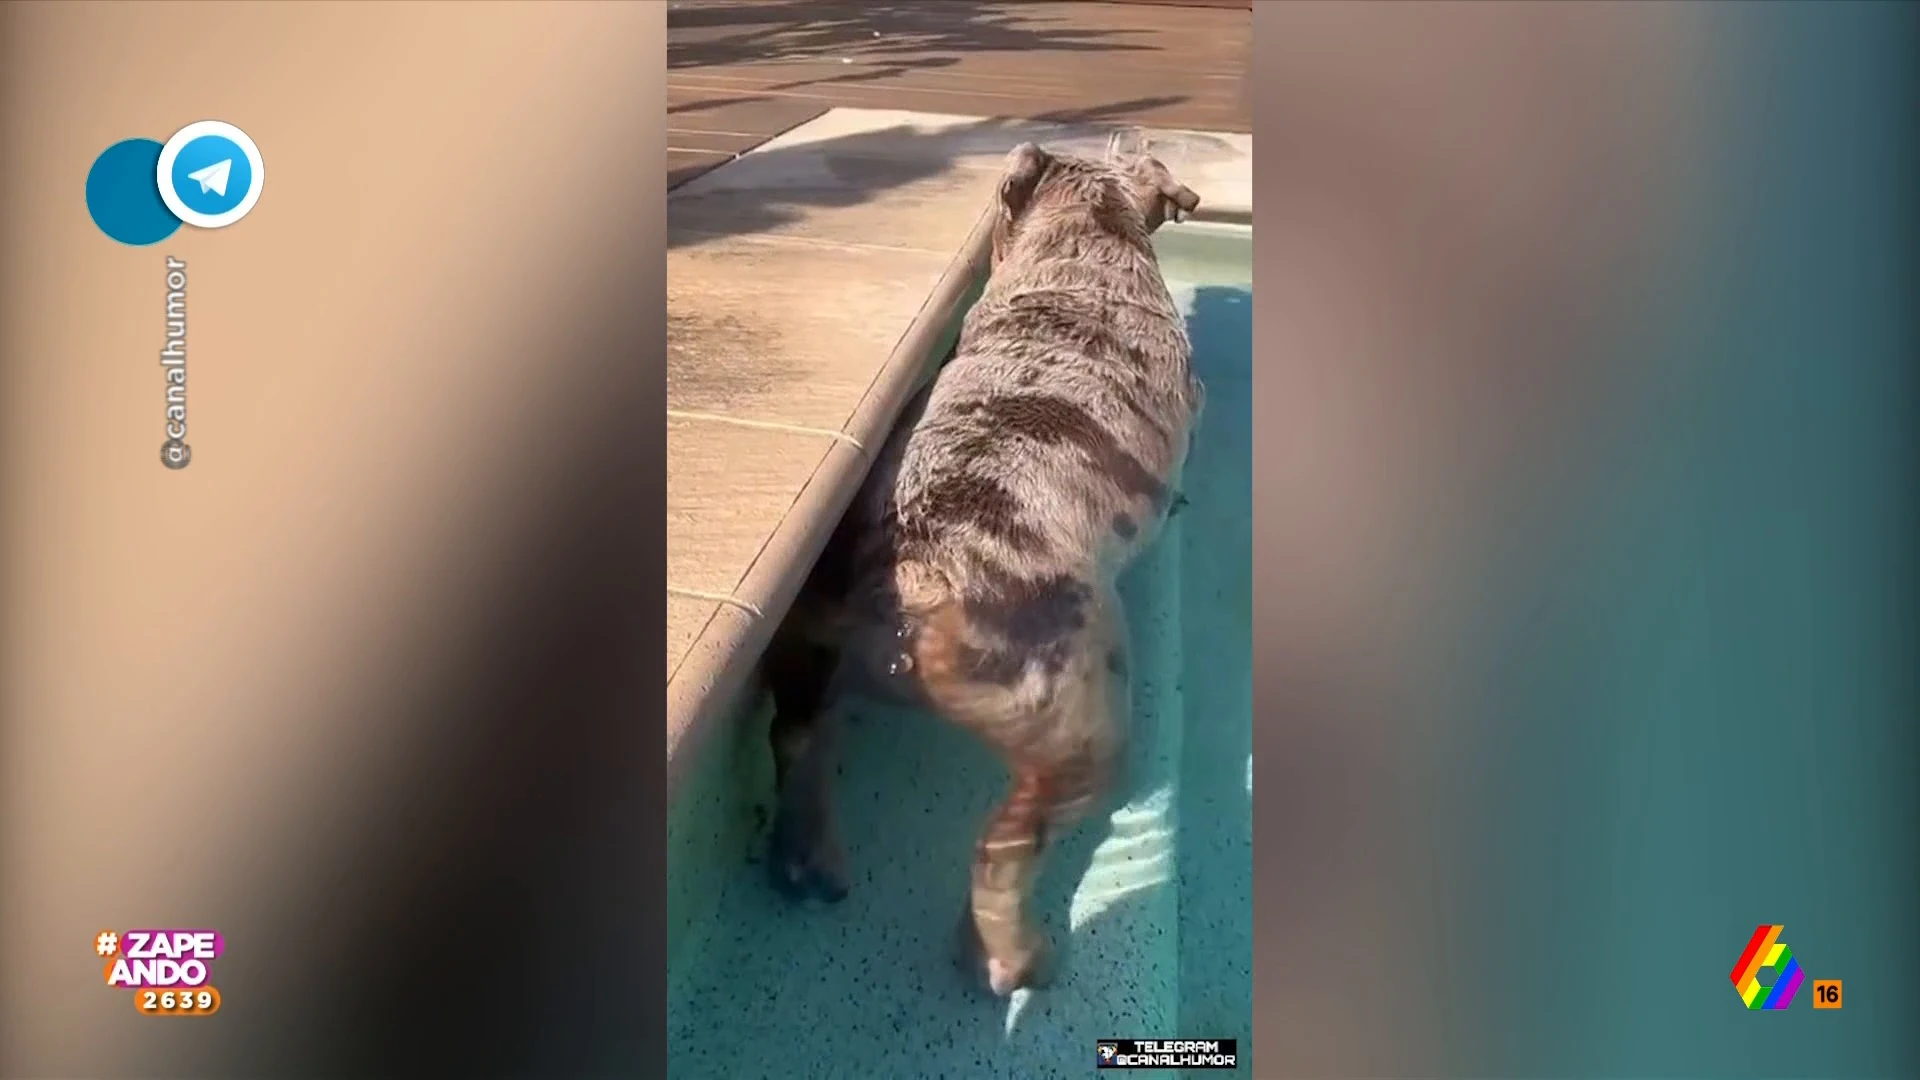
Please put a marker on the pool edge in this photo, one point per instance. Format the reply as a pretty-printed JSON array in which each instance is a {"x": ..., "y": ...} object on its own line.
[{"x": 705, "y": 687}]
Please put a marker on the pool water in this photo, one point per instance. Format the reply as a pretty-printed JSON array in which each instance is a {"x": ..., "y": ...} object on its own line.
[{"x": 1149, "y": 907}]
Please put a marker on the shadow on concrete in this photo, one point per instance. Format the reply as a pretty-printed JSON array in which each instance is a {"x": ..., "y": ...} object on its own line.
[
  {"x": 788, "y": 183},
  {"x": 877, "y": 44},
  {"x": 892, "y": 35},
  {"x": 708, "y": 104}
]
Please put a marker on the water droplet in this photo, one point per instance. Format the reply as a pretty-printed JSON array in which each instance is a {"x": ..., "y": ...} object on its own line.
[{"x": 901, "y": 665}]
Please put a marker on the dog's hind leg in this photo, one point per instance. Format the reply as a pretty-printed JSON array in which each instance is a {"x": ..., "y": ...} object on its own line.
[
  {"x": 805, "y": 856},
  {"x": 1062, "y": 755},
  {"x": 997, "y": 935},
  {"x": 1050, "y": 793}
]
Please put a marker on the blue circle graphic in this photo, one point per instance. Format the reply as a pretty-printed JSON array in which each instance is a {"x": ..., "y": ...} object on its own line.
[
  {"x": 123, "y": 194},
  {"x": 225, "y": 179}
]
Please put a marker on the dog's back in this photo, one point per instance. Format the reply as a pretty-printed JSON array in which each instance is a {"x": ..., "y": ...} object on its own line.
[
  {"x": 1043, "y": 457},
  {"x": 1048, "y": 443}
]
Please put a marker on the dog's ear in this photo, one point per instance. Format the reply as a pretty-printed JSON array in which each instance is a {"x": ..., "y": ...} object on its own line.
[
  {"x": 1163, "y": 198},
  {"x": 1026, "y": 163},
  {"x": 1128, "y": 144}
]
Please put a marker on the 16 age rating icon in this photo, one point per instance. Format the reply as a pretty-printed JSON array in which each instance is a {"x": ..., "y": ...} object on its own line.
[{"x": 165, "y": 969}]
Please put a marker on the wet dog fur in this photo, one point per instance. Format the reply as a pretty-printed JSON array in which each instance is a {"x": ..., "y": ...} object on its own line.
[{"x": 974, "y": 573}]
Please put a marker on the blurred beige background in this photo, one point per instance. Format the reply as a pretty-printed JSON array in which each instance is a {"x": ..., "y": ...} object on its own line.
[{"x": 424, "y": 392}]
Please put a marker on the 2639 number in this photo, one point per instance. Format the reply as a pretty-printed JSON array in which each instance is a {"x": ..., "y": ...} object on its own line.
[{"x": 196, "y": 1001}]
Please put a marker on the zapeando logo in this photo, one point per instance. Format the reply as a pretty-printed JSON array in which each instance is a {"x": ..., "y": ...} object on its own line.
[
  {"x": 167, "y": 970},
  {"x": 1767, "y": 953}
]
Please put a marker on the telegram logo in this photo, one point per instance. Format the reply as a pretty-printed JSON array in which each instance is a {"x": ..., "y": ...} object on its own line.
[
  {"x": 210, "y": 174},
  {"x": 207, "y": 175}
]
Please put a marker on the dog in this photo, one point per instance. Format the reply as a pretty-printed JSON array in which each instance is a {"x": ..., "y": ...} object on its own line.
[{"x": 974, "y": 573}]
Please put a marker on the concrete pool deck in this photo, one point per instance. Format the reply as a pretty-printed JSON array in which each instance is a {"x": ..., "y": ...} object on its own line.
[
  {"x": 811, "y": 283},
  {"x": 741, "y": 71}
]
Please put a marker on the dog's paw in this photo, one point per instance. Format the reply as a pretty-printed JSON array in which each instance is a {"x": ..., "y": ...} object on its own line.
[
  {"x": 1030, "y": 967},
  {"x": 806, "y": 860}
]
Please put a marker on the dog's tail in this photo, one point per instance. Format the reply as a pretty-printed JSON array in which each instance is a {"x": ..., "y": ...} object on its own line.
[
  {"x": 941, "y": 649},
  {"x": 1059, "y": 722},
  {"x": 933, "y": 621},
  {"x": 894, "y": 626},
  {"x": 921, "y": 588}
]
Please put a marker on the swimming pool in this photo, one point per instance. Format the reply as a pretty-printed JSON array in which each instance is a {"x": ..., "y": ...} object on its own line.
[{"x": 1150, "y": 907}]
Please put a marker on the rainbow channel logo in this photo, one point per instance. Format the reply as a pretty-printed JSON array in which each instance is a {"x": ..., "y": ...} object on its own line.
[{"x": 1766, "y": 952}]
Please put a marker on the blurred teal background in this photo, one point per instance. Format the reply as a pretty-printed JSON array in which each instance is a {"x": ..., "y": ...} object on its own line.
[
  {"x": 1700, "y": 708},
  {"x": 1585, "y": 393}
]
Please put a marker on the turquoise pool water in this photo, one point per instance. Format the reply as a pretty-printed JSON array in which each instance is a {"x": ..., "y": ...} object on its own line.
[{"x": 1151, "y": 907}]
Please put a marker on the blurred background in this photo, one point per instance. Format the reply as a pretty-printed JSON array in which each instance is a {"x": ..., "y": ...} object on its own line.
[
  {"x": 367, "y": 687},
  {"x": 1586, "y": 365}
]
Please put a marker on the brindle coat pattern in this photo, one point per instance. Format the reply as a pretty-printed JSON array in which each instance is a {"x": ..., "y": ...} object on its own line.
[{"x": 974, "y": 574}]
